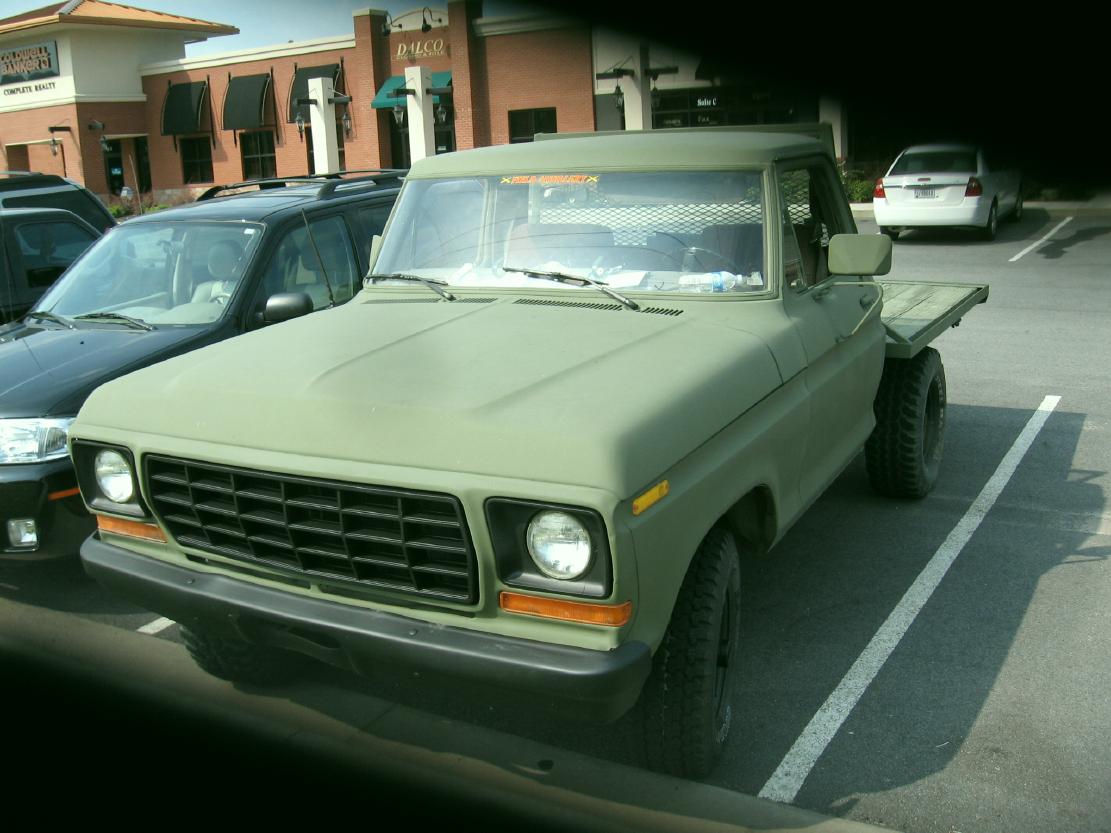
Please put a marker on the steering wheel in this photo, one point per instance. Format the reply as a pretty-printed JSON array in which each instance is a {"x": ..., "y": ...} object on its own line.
[{"x": 690, "y": 257}]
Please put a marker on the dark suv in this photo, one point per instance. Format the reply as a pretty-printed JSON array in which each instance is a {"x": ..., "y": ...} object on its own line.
[
  {"x": 28, "y": 189},
  {"x": 36, "y": 246},
  {"x": 154, "y": 287}
]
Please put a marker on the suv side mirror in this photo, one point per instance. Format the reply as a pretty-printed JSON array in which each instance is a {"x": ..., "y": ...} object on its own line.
[
  {"x": 859, "y": 254},
  {"x": 286, "y": 305}
]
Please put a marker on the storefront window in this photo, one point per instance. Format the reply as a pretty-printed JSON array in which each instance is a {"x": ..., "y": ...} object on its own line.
[
  {"x": 258, "y": 155},
  {"x": 196, "y": 159},
  {"x": 524, "y": 124}
]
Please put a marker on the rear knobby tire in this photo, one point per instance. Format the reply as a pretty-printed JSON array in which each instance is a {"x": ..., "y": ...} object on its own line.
[
  {"x": 686, "y": 707},
  {"x": 904, "y": 452},
  {"x": 239, "y": 661}
]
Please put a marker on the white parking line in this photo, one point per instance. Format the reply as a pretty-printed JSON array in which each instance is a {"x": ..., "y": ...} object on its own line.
[
  {"x": 800, "y": 759},
  {"x": 157, "y": 626},
  {"x": 1033, "y": 246}
]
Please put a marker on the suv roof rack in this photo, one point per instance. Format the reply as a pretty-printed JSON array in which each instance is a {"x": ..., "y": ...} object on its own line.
[{"x": 327, "y": 182}]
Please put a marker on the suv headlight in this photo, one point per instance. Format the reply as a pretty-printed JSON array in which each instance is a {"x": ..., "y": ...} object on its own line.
[
  {"x": 33, "y": 440},
  {"x": 559, "y": 545},
  {"x": 113, "y": 476},
  {"x": 108, "y": 478},
  {"x": 550, "y": 547}
]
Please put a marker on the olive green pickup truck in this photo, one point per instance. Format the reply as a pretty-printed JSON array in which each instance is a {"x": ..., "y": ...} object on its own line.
[{"x": 583, "y": 375}]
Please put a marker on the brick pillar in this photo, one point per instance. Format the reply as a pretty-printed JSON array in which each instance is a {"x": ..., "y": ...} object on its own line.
[
  {"x": 467, "y": 77},
  {"x": 370, "y": 69}
]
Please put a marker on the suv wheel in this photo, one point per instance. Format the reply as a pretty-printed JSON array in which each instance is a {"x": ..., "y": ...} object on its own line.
[
  {"x": 686, "y": 708},
  {"x": 903, "y": 453}
]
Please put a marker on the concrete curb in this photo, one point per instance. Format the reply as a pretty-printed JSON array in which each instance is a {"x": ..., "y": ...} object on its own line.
[{"x": 452, "y": 762}]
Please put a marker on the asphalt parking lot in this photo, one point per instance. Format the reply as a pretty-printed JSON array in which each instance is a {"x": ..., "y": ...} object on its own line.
[{"x": 982, "y": 705}]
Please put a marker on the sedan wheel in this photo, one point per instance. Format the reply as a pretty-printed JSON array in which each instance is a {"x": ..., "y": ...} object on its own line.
[
  {"x": 1016, "y": 212},
  {"x": 992, "y": 226}
]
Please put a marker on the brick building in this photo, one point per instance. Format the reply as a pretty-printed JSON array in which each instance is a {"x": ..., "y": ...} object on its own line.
[{"x": 103, "y": 93}]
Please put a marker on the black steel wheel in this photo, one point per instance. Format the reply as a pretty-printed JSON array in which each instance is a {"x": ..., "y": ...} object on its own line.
[
  {"x": 239, "y": 661},
  {"x": 686, "y": 708},
  {"x": 903, "y": 453}
]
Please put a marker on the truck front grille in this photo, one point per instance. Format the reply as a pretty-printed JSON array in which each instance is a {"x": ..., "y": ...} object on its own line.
[{"x": 406, "y": 541}]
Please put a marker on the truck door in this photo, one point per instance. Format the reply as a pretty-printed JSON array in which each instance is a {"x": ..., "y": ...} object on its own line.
[{"x": 843, "y": 366}]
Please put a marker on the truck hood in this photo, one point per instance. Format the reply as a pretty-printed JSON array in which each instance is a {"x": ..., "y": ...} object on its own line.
[
  {"x": 560, "y": 392},
  {"x": 48, "y": 370}
]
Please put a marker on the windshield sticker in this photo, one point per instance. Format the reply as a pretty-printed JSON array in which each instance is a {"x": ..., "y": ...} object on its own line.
[{"x": 549, "y": 179}]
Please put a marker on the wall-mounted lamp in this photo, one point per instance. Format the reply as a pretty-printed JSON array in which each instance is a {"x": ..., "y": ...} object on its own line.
[
  {"x": 655, "y": 73},
  {"x": 616, "y": 73},
  {"x": 300, "y": 125},
  {"x": 399, "y": 114},
  {"x": 427, "y": 18},
  {"x": 389, "y": 25},
  {"x": 95, "y": 124},
  {"x": 54, "y": 139},
  {"x": 346, "y": 122},
  {"x": 441, "y": 113}
]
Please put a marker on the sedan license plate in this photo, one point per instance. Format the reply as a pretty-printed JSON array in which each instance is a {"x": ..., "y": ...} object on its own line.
[{"x": 925, "y": 193}]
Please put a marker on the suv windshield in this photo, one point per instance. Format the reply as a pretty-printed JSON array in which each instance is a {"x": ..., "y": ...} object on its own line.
[
  {"x": 158, "y": 273},
  {"x": 660, "y": 231}
]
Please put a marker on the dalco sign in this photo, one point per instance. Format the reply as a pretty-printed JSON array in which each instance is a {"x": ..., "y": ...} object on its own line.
[{"x": 431, "y": 48}]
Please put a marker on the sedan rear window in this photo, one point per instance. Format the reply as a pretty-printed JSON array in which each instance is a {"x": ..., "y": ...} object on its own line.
[{"x": 942, "y": 161}]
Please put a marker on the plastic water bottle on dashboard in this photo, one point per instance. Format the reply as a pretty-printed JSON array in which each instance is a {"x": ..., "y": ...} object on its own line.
[{"x": 709, "y": 282}]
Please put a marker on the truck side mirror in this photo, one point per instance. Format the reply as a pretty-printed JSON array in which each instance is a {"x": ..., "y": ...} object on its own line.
[
  {"x": 859, "y": 254},
  {"x": 375, "y": 245},
  {"x": 286, "y": 305}
]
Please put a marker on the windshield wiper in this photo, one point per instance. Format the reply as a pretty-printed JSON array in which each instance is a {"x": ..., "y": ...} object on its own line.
[
  {"x": 431, "y": 283},
  {"x": 49, "y": 316},
  {"x": 575, "y": 280},
  {"x": 137, "y": 323}
]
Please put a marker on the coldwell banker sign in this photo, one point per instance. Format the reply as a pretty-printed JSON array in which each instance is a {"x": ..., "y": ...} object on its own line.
[{"x": 29, "y": 63}]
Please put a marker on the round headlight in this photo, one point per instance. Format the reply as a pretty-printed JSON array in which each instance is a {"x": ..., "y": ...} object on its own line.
[
  {"x": 113, "y": 476},
  {"x": 559, "y": 545}
]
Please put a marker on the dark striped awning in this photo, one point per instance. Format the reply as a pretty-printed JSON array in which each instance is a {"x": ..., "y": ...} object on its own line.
[
  {"x": 181, "y": 112},
  {"x": 300, "y": 87},
  {"x": 245, "y": 103}
]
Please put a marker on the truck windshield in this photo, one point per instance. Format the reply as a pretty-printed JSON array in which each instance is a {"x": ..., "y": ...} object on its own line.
[
  {"x": 658, "y": 232},
  {"x": 157, "y": 273}
]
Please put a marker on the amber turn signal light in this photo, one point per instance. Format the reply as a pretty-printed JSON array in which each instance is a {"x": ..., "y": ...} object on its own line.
[
  {"x": 588, "y": 614},
  {"x": 132, "y": 529}
]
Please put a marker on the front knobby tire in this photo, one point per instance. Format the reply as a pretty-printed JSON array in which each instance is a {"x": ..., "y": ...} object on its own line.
[
  {"x": 686, "y": 708},
  {"x": 903, "y": 453},
  {"x": 239, "y": 661}
]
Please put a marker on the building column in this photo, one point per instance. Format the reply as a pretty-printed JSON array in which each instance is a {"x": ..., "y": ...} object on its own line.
[
  {"x": 832, "y": 111},
  {"x": 638, "y": 92},
  {"x": 322, "y": 116},
  {"x": 422, "y": 123}
]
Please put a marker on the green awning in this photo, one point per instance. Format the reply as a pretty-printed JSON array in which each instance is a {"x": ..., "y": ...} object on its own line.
[
  {"x": 387, "y": 93},
  {"x": 181, "y": 112},
  {"x": 300, "y": 88},
  {"x": 245, "y": 103}
]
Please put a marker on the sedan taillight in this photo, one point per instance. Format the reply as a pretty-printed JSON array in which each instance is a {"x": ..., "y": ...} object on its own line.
[
  {"x": 878, "y": 192},
  {"x": 975, "y": 188}
]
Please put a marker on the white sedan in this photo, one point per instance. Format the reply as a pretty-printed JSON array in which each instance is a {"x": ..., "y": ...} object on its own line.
[{"x": 945, "y": 185}]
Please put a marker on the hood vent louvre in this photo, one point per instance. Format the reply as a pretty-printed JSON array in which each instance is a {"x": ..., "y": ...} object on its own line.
[
  {"x": 430, "y": 301},
  {"x": 541, "y": 302}
]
